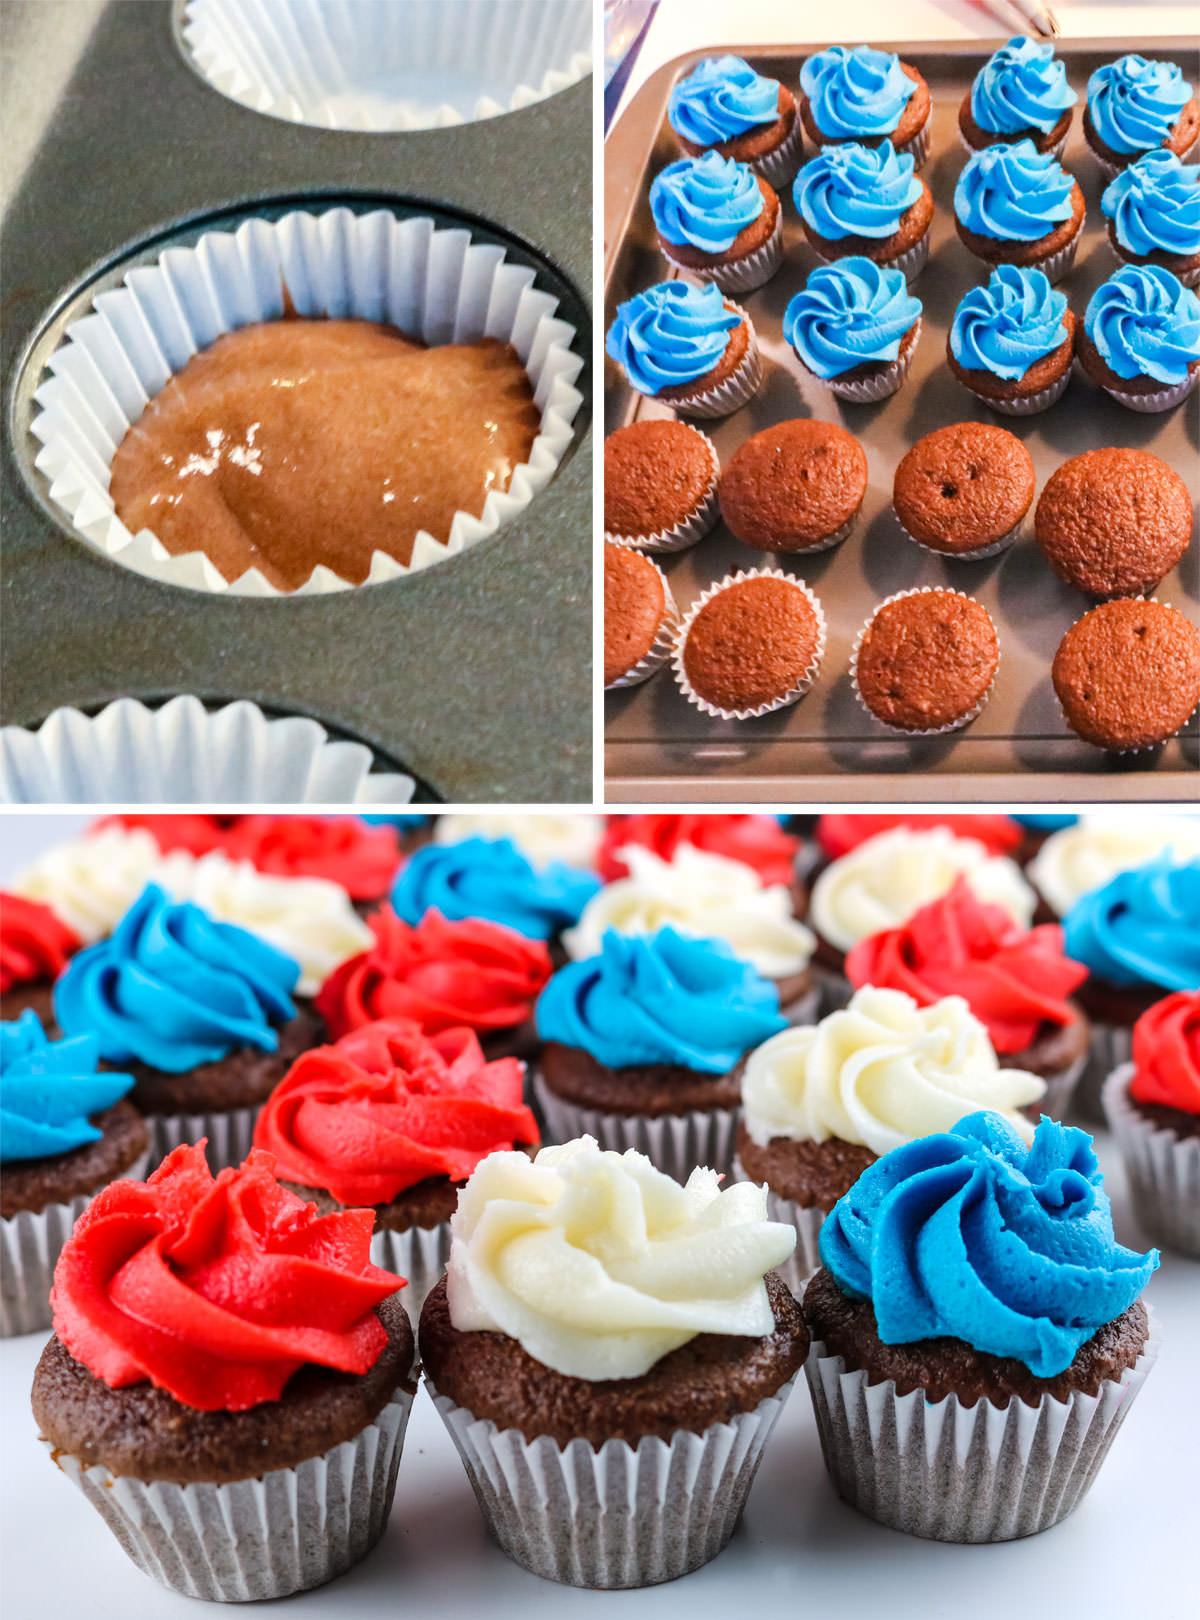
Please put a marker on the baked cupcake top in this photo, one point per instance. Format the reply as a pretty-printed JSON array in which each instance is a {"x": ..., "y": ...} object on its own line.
[
  {"x": 1014, "y": 980},
  {"x": 1127, "y": 674},
  {"x": 850, "y": 312},
  {"x": 793, "y": 485},
  {"x": 1013, "y": 192},
  {"x": 341, "y": 849},
  {"x": 542, "y": 838},
  {"x": 706, "y": 202},
  {"x": 490, "y": 878},
  {"x": 1089, "y": 852},
  {"x": 635, "y": 609},
  {"x": 855, "y": 190},
  {"x": 838, "y": 834},
  {"x": 1023, "y": 85},
  {"x": 756, "y": 841},
  {"x": 964, "y": 485},
  {"x": 1154, "y": 205},
  {"x": 972, "y": 1234},
  {"x": 51, "y": 1090},
  {"x": 599, "y": 1265},
  {"x": 91, "y": 882},
  {"x": 1010, "y": 324},
  {"x": 1166, "y": 1054},
  {"x": 660, "y": 998},
  {"x": 1134, "y": 103},
  {"x": 1144, "y": 322},
  {"x": 720, "y": 99},
  {"x": 856, "y": 91},
  {"x": 671, "y": 334},
  {"x": 1141, "y": 927},
  {"x": 927, "y": 659},
  {"x": 174, "y": 989},
  {"x": 658, "y": 474},
  {"x": 35, "y": 945},
  {"x": 879, "y": 1072}
]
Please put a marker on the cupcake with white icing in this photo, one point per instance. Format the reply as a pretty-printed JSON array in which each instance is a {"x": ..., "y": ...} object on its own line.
[
  {"x": 542, "y": 838},
  {"x": 1075, "y": 860}
]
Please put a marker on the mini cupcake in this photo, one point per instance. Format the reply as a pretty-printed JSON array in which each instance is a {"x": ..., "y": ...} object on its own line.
[
  {"x": 1135, "y": 105},
  {"x": 1153, "y": 214},
  {"x": 1113, "y": 522},
  {"x": 641, "y": 620},
  {"x": 977, "y": 1333},
  {"x": 753, "y": 643},
  {"x": 820, "y": 1103},
  {"x": 1141, "y": 338},
  {"x": 229, "y": 1379},
  {"x": 660, "y": 485},
  {"x": 758, "y": 842},
  {"x": 854, "y": 326},
  {"x": 490, "y": 878},
  {"x": 1012, "y": 342},
  {"x": 867, "y": 96},
  {"x": 718, "y": 220},
  {"x": 1127, "y": 675},
  {"x": 964, "y": 490},
  {"x": 925, "y": 661},
  {"x": 1016, "y": 205},
  {"x": 610, "y": 1408},
  {"x": 865, "y": 201},
  {"x": 339, "y": 849},
  {"x": 796, "y": 487},
  {"x": 643, "y": 1047},
  {"x": 1020, "y": 93},
  {"x": 724, "y": 106},
  {"x": 1153, "y": 1109},
  {"x": 837, "y": 835},
  {"x": 67, "y": 1132},
  {"x": 35, "y": 947},
  {"x": 543, "y": 837},
  {"x": 91, "y": 882},
  {"x": 687, "y": 347},
  {"x": 197, "y": 833},
  {"x": 1089, "y": 851}
]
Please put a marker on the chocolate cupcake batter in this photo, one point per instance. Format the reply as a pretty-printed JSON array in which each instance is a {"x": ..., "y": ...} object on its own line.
[{"x": 294, "y": 443}]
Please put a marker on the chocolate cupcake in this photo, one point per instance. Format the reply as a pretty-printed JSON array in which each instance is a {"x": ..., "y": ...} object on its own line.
[
  {"x": 1016, "y": 205},
  {"x": 687, "y": 347},
  {"x": 794, "y": 487},
  {"x": 641, "y": 620},
  {"x": 1134, "y": 105},
  {"x": 35, "y": 947},
  {"x": 867, "y": 96},
  {"x": 753, "y": 643},
  {"x": 1141, "y": 338},
  {"x": 490, "y": 878},
  {"x": 1086, "y": 852},
  {"x": 925, "y": 661},
  {"x": 1012, "y": 342},
  {"x": 854, "y": 325},
  {"x": 1020, "y": 93},
  {"x": 866, "y": 201},
  {"x": 1112, "y": 522},
  {"x": 1153, "y": 214},
  {"x": 964, "y": 490},
  {"x": 660, "y": 485},
  {"x": 718, "y": 221},
  {"x": 724, "y": 106},
  {"x": 1127, "y": 675},
  {"x": 758, "y": 842}
]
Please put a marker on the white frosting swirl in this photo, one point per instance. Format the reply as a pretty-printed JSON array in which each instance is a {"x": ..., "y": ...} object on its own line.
[
  {"x": 705, "y": 895},
  {"x": 882, "y": 882},
  {"x": 92, "y": 882},
  {"x": 541, "y": 838},
  {"x": 880, "y": 1072},
  {"x": 599, "y": 1265},
  {"x": 1077, "y": 859}
]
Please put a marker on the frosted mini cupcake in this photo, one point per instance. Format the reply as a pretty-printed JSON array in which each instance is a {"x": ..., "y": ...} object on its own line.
[
  {"x": 687, "y": 347},
  {"x": 718, "y": 220},
  {"x": 1134, "y": 105},
  {"x": 490, "y": 878},
  {"x": 1020, "y": 93},
  {"x": 1016, "y": 205},
  {"x": 756, "y": 841},
  {"x": 572, "y": 837},
  {"x": 865, "y": 95},
  {"x": 35, "y": 947},
  {"x": 867, "y": 201},
  {"x": 854, "y": 326},
  {"x": 1153, "y": 214},
  {"x": 1089, "y": 851},
  {"x": 1012, "y": 342},
  {"x": 724, "y": 106},
  {"x": 1141, "y": 338}
]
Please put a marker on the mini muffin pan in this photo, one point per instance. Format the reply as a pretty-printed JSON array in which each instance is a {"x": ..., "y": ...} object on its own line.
[
  {"x": 825, "y": 748},
  {"x": 131, "y": 150}
]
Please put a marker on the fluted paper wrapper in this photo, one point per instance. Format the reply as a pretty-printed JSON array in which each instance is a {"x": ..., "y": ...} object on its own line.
[
  {"x": 674, "y": 1143},
  {"x": 726, "y": 397},
  {"x": 1163, "y": 1169},
  {"x": 951, "y": 1472},
  {"x": 794, "y": 693},
  {"x": 1060, "y": 1091},
  {"x": 738, "y": 275},
  {"x": 418, "y": 1254},
  {"x": 620, "y": 1516},
  {"x": 992, "y": 549},
  {"x": 661, "y": 648},
  {"x": 865, "y": 390},
  {"x": 917, "y": 147},
  {"x": 1030, "y": 404},
  {"x": 230, "y": 1135},
  {"x": 429, "y": 282},
  {"x": 1161, "y": 399},
  {"x": 1111, "y": 1047},
  {"x": 183, "y": 753},
  {"x": 694, "y": 527},
  {"x": 249, "y": 1539},
  {"x": 805, "y": 1258},
  {"x": 904, "y": 731},
  {"x": 780, "y": 167}
]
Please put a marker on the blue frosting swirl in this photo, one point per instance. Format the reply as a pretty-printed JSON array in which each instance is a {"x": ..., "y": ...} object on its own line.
[
  {"x": 1135, "y": 103},
  {"x": 670, "y": 334},
  {"x": 1013, "y": 192},
  {"x": 971, "y": 1235},
  {"x": 723, "y": 98},
  {"x": 661, "y": 998},
  {"x": 848, "y": 312},
  {"x": 1154, "y": 205},
  {"x": 1145, "y": 323},
  {"x": 1140, "y": 928},
  {"x": 706, "y": 202},
  {"x": 856, "y": 92},
  {"x": 853, "y": 190},
  {"x": 50, "y": 1090},
  {"x": 490, "y": 878},
  {"x": 174, "y": 989},
  {"x": 1009, "y": 325},
  {"x": 1022, "y": 86}
]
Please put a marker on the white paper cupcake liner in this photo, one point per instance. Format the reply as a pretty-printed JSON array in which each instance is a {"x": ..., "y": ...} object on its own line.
[
  {"x": 911, "y": 262},
  {"x": 1059, "y": 1093},
  {"x": 726, "y": 397},
  {"x": 1110, "y": 1047},
  {"x": 1030, "y": 404},
  {"x": 951, "y": 1472},
  {"x": 794, "y": 694},
  {"x": 286, "y": 1531},
  {"x": 737, "y": 275},
  {"x": 903, "y": 731},
  {"x": 622, "y": 1515},
  {"x": 1163, "y": 1169},
  {"x": 183, "y": 753},
  {"x": 30, "y": 1244},
  {"x": 429, "y": 282},
  {"x": 992, "y": 549},
  {"x": 780, "y": 167},
  {"x": 384, "y": 65},
  {"x": 674, "y": 1143},
  {"x": 694, "y": 527},
  {"x": 863, "y": 390},
  {"x": 1161, "y": 399},
  {"x": 418, "y": 1254},
  {"x": 661, "y": 648},
  {"x": 1124, "y": 753},
  {"x": 1189, "y": 278},
  {"x": 230, "y": 1135},
  {"x": 917, "y": 146},
  {"x": 805, "y": 1258}
]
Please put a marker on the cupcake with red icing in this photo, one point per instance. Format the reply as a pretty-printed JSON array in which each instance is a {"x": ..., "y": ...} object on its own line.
[
  {"x": 229, "y": 1379},
  {"x": 35, "y": 946},
  {"x": 756, "y": 841},
  {"x": 344, "y": 850},
  {"x": 196, "y": 834},
  {"x": 1153, "y": 1109},
  {"x": 837, "y": 835},
  {"x": 395, "y": 1120}
]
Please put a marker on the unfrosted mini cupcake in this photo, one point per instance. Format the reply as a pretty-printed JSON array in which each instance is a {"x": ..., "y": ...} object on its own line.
[
  {"x": 1127, "y": 674},
  {"x": 1012, "y": 342},
  {"x": 35, "y": 947},
  {"x": 1136, "y": 104},
  {"x": 1016, "y": 205},
  {"x": 751, "y": 644},
  {"x": 1141, "y": 338},
  {"x": 1153, "y": 214},
  {"x": 865, "y": 200},
  {"x": 925, "y": 662},
  {"x": 687, "y": 347},
  {"x": 1113, "y": 522},
  {"x": 795, "y": 487},
  {"x": 724, "y": 106},
  {"x": 865, "y": 95},
  {"x": 660, "y": 485},
  {"x": 719, "y": 221},
  {"x": 855, "y": 326},
  {"x": 1020, "y": 93},
  {"x": 964, "y": 490},
  {"x": 641, "y": 620}
]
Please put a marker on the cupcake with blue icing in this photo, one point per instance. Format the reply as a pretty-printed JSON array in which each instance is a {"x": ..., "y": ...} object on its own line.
[
  {"x": 719, "y": 221},
  {"x": 866, "y": 201},
  {"x": 978, "y": 1332},
  {"x": 1136, "y": 105},
  {"x": 688, "y": 347},
  {"x": 868, "y": 96},
  {"x": 1016, "y": 205},
  {"x": 1153, "y": 213},
  {"x": 1020, "y": 93},
  {"x": 854, "y": 325},
  {"x": 1141, "y": 338},
  {"x": 724, "y": 106},
  {"x": 1012, "y": 341}
]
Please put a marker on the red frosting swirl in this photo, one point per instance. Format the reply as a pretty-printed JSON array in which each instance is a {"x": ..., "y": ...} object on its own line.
[
  {"x": 198, "y": 834},
  {"x": 439, "y": 974},
  {"x": 34, "y": 943},
  {"x": 217, "y": 1290},
  {"x": 1014, "y": 980},
  {"x": 389, "y": 1106},
  {"x": 837, "y": 835},
  {"x": 757, "y": 841},
  {"x": 343, "y": 849},
  {"x": 1166, "y": 1053}
]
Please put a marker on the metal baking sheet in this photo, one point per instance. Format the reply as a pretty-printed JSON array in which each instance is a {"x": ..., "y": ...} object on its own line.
[
  {"x": 658, "y": 747},
  {"x": 443, "y": 671}
]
